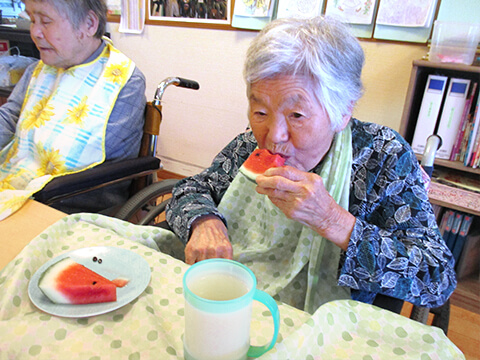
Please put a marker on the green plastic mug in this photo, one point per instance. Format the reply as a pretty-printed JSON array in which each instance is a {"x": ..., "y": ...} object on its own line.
[{"x": 218, "y": 306}]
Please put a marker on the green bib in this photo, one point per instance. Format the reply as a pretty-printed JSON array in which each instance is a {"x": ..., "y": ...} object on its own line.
[{"x": 292, "y": 262}]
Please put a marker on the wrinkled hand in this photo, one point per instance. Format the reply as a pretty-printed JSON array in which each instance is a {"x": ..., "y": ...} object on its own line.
[
  {"x": 208, "y": 240},
  {"x": 302, "y": 196}
]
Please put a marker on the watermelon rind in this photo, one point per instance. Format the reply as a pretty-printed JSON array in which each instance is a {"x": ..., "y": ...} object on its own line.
[
  {"x": 249, "y": 174},
  {"x": 258, "y": 157},
  {"x": 46, "y": 283}
]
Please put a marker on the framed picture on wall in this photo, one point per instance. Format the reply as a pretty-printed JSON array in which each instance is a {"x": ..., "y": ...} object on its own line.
[{"x": 194, "y": 12}]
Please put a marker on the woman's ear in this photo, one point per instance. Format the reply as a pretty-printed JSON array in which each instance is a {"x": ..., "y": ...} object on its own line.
[
  {"x": 345, "y": 121},
  {"x": 346, "y": 118},
  {"x": 90, "y": 25}
]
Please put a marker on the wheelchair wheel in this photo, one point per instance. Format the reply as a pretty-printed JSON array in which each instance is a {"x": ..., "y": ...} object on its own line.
[{"x": 143, "y": 208}]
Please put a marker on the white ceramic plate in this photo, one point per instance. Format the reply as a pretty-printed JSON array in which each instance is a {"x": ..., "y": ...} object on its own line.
[{"x": 116, "y": 262}]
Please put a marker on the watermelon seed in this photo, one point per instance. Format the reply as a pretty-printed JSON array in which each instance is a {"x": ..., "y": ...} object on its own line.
[
  {"x": 94, "y": 282},
  {"x": 94, "y": 259},
  {"x": 99, "y": 261}
]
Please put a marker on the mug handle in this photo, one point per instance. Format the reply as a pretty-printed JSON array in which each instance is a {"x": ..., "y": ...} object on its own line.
[{"x": 267, "y": 300}]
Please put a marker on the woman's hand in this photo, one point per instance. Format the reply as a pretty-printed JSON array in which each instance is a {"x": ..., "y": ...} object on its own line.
[
  {"x": 209, "y": 239},
  {"x": 302, "y": 196}
]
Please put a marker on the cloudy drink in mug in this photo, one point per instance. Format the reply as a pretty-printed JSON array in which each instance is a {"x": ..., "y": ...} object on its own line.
[{"x": 218, "y": 305}]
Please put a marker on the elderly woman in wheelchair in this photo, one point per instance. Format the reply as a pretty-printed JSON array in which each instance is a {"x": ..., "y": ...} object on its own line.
[
  {"x": 81, "y": 104},
  {"x": 347, "y": 216}
]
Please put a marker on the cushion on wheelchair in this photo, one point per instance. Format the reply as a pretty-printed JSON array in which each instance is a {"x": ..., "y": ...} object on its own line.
[{"x": 108, "y": 172}]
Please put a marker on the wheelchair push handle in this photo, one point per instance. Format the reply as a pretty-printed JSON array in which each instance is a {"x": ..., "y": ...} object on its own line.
[
  {"x": 189, "y": 84},
  {"x": 177, "y": 81},
  {"x": 434, "y": 142}
]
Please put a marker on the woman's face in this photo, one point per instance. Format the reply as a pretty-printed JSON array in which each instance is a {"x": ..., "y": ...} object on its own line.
[
  {"x": 287, "y": 119},
  {"x": 58, "y": 42}
]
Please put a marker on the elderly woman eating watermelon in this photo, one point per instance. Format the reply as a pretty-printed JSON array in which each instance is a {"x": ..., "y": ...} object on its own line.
[{"x": 347, "y": 215}]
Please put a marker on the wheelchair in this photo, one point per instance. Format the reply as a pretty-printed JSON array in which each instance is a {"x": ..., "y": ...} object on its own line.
[
  {"x": 148, "y": 204},
  {"x": 140, "y": 171}
]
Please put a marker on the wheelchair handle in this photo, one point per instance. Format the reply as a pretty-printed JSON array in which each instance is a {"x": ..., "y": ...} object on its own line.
[
  {"x": 177, "y": 81},
  {"x": 434, "y": 142},
  {"x": 190, "y": 84}
]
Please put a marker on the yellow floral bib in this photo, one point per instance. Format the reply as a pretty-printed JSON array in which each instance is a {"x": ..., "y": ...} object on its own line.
[{"x": 61, "y": 128}]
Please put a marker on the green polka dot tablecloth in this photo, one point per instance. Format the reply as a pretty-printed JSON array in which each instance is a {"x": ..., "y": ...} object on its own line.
[
  {"x": 346, "y": 329},
  {"x": 151, "y": 326}
]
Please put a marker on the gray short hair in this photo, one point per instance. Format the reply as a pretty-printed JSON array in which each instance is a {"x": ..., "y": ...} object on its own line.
[
  {"x": 76, "y": 12},
  {"x": 320, "y": 48}
]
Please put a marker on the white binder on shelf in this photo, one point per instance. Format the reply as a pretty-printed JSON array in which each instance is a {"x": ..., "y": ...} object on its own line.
[
  {"x": 452, "y": 115},
  {"x": 429, "y": 111}
]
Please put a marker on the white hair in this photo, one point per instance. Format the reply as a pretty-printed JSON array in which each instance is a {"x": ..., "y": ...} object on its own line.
[
  {"x": 76, "y": 11},
  {"x": 321, "y": 48}
]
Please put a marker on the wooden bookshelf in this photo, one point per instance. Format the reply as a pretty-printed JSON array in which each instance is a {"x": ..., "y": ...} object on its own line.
[
  {"x": 454, "y": 198},
  {"x": 467, "y": 293},
  {"x": 456, "y": 165},
  {"x": 416, "y": 87},
  {"x": 458, "y": 199}
]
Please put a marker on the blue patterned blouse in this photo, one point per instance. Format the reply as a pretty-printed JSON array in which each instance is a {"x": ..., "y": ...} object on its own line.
[{"x": 395, "y": 248}]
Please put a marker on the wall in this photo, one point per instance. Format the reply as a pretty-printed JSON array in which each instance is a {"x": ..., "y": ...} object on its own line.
[{"x": 198, "y": 124}]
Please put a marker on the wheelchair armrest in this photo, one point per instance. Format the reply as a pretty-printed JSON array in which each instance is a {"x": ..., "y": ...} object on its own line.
[
  {"x": 99, "y": 176},
  {"x": 388, "y": 303}
]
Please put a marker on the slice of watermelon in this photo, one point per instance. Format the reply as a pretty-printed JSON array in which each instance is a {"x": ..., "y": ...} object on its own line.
[
  {"x": 68, "y": 282},
  {"x": 260, "y": 161}
]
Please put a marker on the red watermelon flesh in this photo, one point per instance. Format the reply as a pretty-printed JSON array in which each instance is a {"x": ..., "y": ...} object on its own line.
[
  {"x": 260, "y": 161},
  {"x": 67, "y": 282}
]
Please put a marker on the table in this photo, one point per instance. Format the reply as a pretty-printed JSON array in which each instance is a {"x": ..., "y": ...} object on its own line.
[
  {"x": 151, "y": 326},
  {"x": 20, "y": 228}
]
